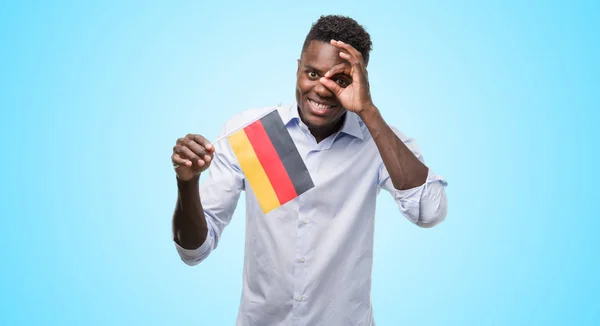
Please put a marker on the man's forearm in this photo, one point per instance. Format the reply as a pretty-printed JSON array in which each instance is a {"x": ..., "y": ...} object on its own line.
[
  {"x": 189, "y": 224},
  {"x": 405, "y": 169}
]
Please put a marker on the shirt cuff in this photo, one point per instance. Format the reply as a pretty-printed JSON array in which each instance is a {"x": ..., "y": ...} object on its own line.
[
  {"x": 195, "y": 256},
  {"x": 417, "y": 191}
]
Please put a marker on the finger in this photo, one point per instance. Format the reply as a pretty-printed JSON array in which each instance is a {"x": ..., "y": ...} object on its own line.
[
  {"x": 350, "y": 49},
  {"x": 355, "y": 63},
  {"x": 342, "y": 68},
  {"x": 179, "y": 161},
  {"x": 202, "y": 141},
  {"x": 345, "y": 56},
  {"x": 198, "y": 149},
  {"x": 198, "y": 161},
  {"x": 357, "y": 68},
  {"x": 331, "y": 85},
  {"x": 186, "y": 153}
]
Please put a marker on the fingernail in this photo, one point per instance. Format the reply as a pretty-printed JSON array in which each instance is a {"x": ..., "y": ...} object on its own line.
[{"x": 209, "y": 146}]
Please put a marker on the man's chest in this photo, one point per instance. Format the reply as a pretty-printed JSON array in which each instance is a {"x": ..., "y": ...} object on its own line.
[{"x": 343, "y": 171}]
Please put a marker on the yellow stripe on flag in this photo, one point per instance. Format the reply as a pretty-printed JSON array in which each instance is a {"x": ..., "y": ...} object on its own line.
[{"x": 254, "y": 172}]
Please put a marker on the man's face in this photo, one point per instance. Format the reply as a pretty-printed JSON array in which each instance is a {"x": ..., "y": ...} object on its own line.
[{"x": 319, "y": 107}]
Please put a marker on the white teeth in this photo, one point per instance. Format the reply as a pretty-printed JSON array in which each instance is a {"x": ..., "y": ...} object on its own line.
[{"x": 318, "y": 106}]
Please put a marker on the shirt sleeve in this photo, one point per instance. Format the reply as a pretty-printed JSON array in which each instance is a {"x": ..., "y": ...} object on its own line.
[
  {"x": 219, "y": 195},
  {"x": 425, "y": 205}
]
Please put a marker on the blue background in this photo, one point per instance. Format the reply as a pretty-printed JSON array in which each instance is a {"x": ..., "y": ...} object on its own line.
[{"x": 502, "y": 98}]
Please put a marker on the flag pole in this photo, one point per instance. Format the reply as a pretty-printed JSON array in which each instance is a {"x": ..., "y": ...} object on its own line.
[{"x": 240, "y": 128}]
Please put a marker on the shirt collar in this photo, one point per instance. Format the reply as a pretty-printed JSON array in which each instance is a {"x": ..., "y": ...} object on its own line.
[{"x": 352, "y": 123}]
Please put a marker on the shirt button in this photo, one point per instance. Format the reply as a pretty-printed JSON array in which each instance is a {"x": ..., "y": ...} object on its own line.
[
  {"x": 299, "y": 298},
  {"x": 305, "y": 221},
  {"x": 302, "y": 260}
]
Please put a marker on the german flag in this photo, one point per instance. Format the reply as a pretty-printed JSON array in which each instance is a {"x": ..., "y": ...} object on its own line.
[{"x": 270, "y": 161}]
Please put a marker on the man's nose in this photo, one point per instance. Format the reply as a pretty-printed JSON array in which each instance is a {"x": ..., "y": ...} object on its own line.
[{"x": 323, "y": 91}]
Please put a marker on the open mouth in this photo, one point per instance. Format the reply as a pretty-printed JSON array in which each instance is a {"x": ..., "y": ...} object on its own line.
[{"x": 319, "y": 108}]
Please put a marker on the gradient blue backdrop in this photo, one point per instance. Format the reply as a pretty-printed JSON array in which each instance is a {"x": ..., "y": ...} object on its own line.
[{"x": 502, "y": 98}]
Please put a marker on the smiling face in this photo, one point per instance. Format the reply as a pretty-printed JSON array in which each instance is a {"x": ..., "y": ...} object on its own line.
[{"x": 319, "y": 108}]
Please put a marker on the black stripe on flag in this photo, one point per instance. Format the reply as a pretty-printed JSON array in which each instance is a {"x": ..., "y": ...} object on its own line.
[{"x": 288, "y": 153}]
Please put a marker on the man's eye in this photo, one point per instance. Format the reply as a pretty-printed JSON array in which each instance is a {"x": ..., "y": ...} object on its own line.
[
  {"x": 312, "y": 75},
  {"x": 341, "y": 82}
]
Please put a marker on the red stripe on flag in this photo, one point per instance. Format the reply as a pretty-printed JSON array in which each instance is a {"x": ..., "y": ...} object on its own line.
[{"x": 269, "y": 159}]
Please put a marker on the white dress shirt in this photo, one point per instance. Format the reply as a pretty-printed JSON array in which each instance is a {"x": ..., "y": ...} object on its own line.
[{"x": 308, "y": 262}]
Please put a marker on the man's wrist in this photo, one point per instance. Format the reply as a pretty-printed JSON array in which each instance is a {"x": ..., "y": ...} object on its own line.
[
  {"x": 369, "y": 114},
  {"x": 191, "y": 181}
]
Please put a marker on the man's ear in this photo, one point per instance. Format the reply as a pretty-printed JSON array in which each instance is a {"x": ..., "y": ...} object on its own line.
[{"x": 298, "y": 70}]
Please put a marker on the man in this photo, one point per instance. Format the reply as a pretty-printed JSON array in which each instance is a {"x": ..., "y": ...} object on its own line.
[{"x": 308, "y": 262}]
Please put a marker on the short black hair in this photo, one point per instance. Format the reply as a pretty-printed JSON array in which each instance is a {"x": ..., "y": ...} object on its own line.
[{"x": 340, "y": 28}]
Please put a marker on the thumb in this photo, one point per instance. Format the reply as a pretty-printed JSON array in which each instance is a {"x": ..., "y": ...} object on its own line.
[{"x": 331, "y": 85}]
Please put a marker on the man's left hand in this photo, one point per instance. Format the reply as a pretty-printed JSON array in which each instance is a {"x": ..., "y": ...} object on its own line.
[{"x": 355, "y": 97}]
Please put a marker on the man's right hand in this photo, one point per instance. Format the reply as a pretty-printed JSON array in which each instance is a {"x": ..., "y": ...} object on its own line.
[{"x": 191, "y": 156}]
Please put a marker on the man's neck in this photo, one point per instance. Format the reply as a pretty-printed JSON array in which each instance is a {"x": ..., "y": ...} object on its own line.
[{"x": 322, "y": 133}]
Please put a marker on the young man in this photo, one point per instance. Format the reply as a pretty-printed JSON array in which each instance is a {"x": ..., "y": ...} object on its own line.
[{"x": 308, "y": 262}]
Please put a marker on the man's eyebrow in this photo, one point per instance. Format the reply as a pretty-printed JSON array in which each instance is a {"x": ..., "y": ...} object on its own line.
[
  {"x": 307, "y": 66},
  {"x": 313, "y": 68}
]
